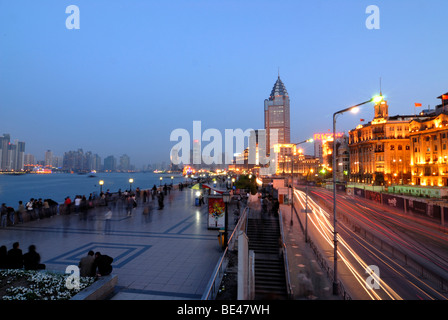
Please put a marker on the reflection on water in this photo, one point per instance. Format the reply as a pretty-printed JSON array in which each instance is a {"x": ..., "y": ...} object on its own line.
[{"x": 57, "y": 186}]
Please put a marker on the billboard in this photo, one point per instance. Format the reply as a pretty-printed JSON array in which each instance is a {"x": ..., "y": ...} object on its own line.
[
  {"x": 216, "y": 212},
  {"x": 327, "y": 136}
]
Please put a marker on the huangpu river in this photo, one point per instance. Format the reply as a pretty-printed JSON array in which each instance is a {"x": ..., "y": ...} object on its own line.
[{"x": 57, "y": 186}]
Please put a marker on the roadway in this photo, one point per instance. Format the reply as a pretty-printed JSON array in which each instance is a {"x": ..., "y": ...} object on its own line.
[{"x": 418, "y": 239}]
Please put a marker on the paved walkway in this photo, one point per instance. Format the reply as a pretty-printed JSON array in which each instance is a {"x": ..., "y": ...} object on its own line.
[
  {"x": 168, "y": 254},
  {"x": 307, "y": 279}
]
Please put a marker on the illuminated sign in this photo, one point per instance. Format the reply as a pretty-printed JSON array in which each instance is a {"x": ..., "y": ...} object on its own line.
[
  {"x": 216, "y": 212},
  {"x": 326, "y": 136}
]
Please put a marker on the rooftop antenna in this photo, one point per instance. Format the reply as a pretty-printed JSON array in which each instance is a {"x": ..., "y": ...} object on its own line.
[
  {"x": 278, "y": 71},
  {"x": 381, "y": 93}
]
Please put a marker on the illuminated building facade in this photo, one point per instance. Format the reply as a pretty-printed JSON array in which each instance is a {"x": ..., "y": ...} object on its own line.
[
  {"x": 429, "y": 156},
  {"x": 342, "y": 154},
  {"x": 380, "y": 151},
  {"x": 276, "y": 113},
  {"x": 287, "y": 153},
  {"x": 290, "y": 158}
]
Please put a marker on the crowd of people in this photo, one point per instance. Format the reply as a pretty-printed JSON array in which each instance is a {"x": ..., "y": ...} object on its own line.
[
  {"x": 37, "y": 208},
  {"x": 15, "y": 259},
  {"x": 95, "y": 265},
  {"x": 92, "y": 265},
  {"x": 34, "y": 209}
]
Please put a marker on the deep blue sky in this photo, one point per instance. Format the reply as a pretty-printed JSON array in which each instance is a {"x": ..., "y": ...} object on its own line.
[{"x": 136, "y": 70}]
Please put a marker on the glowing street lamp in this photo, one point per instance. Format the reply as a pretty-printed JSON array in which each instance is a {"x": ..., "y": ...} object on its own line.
[
  {"x": 131, "y": 181},
  {"x": 161, "y": 178},
  {"x": 101, "y": 182},
  {"x": 355, "y": 108}
]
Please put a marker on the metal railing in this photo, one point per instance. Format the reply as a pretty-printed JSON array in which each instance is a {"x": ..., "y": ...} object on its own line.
[
  {"x": 215, "y": 281},
  {"x": 285, "y": 257}
]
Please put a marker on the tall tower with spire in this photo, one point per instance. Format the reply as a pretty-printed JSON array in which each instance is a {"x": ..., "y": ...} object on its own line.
[{"x": 276, "y": 113}]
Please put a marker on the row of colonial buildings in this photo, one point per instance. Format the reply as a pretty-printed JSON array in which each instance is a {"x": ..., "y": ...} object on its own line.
[
  {"x": 402, "y": 149},
  {"x": 399, "y": 149}
]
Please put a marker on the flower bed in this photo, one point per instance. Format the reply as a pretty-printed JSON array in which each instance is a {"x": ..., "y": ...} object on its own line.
[{"x": 18, "y": 284}]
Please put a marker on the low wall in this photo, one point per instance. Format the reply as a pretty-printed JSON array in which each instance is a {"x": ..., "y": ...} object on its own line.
[
  {"x": 435, "y": 211},
  {"x": 99, "y": 290}
]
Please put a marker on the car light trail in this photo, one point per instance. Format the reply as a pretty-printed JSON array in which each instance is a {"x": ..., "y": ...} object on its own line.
[{"x": 320, "y": 219}]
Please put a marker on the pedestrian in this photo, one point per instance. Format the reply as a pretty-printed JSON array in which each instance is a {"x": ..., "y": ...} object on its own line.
[
  {"x": 129, "y": 205},
  {"x": 20, "y": 211},
  {"x": 107, "y": 218},
  {"x": 153, "y": 192},
  {"x": 67, "y": 204},
  {"x": 31, "y": 259},
  {"x": 86, "y": 265},
  {"x": 15, "y": 257},
  {"x": 4, "y": 215},
  {"x": 46, "y": 208},
  {"x": 83, "y": 207},
  {"x": 90, "y": 201},
  {"x": 160, "y": 200},
  {"x": 103, "y": 264},
  {"x": 3, "y": 257},
  {"x": 53, "y": 207},
  {"x": 77, "y": 204},
  {"x": 38, "y": 209},
  {"x": 11, "y": 214},
  {"x": 275, "y": 207},
  {"x": 145, "y": 195},
  {"x": 30, "y": 209}
]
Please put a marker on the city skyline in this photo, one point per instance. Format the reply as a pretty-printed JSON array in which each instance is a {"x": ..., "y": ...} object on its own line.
[{"x": 134, "y": 72}]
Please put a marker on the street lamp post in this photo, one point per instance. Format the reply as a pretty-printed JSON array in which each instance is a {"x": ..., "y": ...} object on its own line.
[
  {"x": 226, "y": 199},
  {"x": 101, "y": 186},
  {"x": 376, "y": 99},
  {"x": 292, "y": 177},
  {"x": 131, "y": 181},
  {"x": 161, "y": 178}
]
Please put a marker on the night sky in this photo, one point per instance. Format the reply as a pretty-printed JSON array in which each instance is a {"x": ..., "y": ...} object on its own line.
[{"x": 137, "y": 70}]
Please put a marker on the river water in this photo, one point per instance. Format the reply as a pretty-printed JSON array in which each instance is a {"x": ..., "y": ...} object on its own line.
[{"x": 57, "y": 186}]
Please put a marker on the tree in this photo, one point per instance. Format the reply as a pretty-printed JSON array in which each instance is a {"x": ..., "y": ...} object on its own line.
[{"x": 247, "y": 182}]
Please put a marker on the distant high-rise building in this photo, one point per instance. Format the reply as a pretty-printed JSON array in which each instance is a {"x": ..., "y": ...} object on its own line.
[
  {"x": 277, "y": 114},
  {"x": 57, "y": 162},
  {"x": 110, "y": 163},
  {"x": 74, "y": 161},
  {"x": 5, "y": 141},
  {"x": 29, "y": 159},
  {"x": 125, "y": 163},
  {"x": 11, "y": 154},
  {"x": 48, "y": 158},
  {"x": 318, "y": 150}
]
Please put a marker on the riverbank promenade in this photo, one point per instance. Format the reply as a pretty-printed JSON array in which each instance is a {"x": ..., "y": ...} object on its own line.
[{"x": 166, "y": 254}]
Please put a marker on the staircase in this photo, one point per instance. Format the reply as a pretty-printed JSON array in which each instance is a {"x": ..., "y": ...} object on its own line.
[{"x": 265, "y": 239}]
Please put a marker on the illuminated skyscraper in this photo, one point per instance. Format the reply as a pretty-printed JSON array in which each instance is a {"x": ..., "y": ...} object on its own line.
[
  {"x": 11, "y": 154},
  {"x": 276, "y": 113}
]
